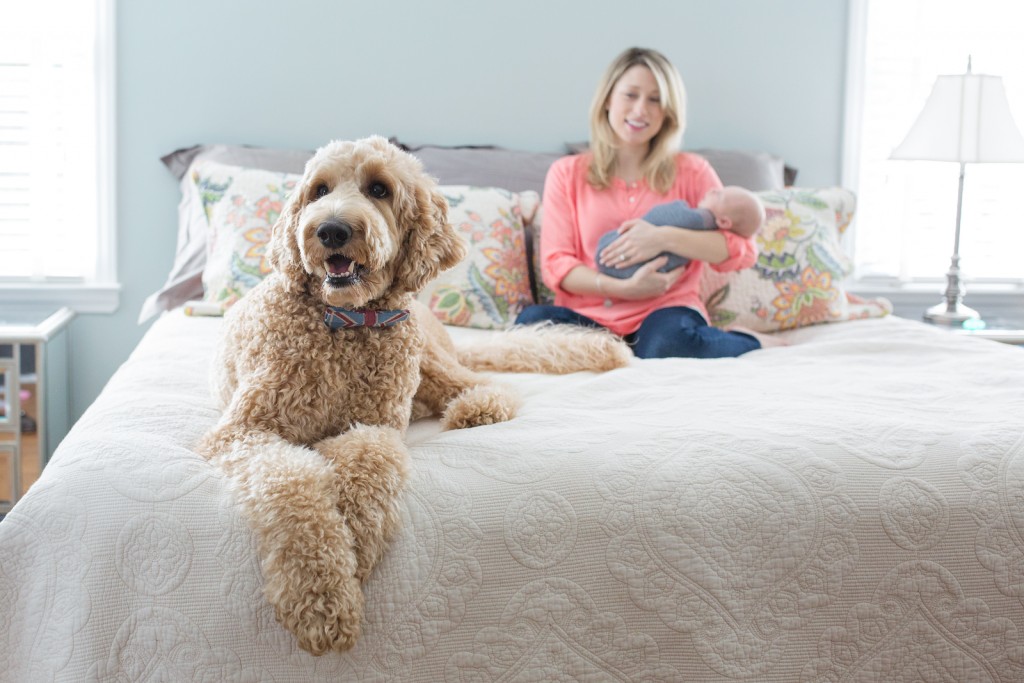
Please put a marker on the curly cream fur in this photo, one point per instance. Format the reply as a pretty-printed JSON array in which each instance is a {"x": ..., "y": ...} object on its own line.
[
  {"x": 310, "y": 440},
  {"x": 548, "y": 348}
]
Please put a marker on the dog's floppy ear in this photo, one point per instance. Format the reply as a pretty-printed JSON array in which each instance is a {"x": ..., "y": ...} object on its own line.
[
  {"x": 284, "y": 247},
  {"x": 431, "y": 243}
]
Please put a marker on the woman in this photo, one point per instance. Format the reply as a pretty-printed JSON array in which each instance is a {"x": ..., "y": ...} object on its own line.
[{"x": 637, "y": 120}]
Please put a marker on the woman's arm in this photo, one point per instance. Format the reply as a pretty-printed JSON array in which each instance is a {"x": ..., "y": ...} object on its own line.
[
  {"x": 639, "y": 240},
  {"x": 559, "y": 238},
  {"x": 645, "y": 283}
]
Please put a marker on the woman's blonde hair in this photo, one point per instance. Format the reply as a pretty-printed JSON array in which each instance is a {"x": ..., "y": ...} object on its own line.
[{"x": 659, "y": 167}]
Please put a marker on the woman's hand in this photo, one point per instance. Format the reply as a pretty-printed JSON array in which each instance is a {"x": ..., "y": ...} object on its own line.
[
  {"x": 637, "y": 242},
  {"x": 647, "y": 282}
]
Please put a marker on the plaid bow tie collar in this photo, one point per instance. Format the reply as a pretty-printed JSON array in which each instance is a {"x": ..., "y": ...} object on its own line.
[{"x": 344, "y": 318}]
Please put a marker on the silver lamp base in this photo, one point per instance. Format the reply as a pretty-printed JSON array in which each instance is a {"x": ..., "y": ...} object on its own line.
[{"x": 952, "y": 313}]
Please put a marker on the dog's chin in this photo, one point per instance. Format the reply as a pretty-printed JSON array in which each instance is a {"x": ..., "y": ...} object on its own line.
[
  {"x": 355, "y": 291},
  {"x": 348, "y": 291}
]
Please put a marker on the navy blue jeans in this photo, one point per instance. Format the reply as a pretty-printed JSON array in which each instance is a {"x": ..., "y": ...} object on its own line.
[{"x": 674, "y": 332}]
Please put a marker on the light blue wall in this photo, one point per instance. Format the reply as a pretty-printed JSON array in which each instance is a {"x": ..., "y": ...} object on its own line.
[{"x": 761, "y": 74}]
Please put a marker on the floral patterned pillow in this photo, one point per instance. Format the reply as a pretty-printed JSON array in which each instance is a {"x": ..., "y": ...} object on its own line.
[
  {"x": 241, "y": 206},
  {"x": 491, "y": 285},
  {"x": 798, "y": 277},
  {"x": 487, "y": 290}
]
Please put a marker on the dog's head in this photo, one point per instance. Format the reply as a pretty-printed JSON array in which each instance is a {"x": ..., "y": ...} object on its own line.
[{"x": 365, "y": 224}]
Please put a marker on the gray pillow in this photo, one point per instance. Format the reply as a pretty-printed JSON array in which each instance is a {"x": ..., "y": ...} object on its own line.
[
  {"x": 484, "y": 166},
  {"x": 246, "y": 156},
  {"x": 755, "y": 171}
]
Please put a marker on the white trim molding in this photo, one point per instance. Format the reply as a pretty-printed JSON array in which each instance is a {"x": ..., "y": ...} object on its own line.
[
  {"x": 91, "y": 298},
  {"x": 853, "y": 109},
  {"x": 106, "y": 142}
]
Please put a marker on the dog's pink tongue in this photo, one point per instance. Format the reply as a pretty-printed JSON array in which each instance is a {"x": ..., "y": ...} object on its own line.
[{"x": 339, "y": 265}]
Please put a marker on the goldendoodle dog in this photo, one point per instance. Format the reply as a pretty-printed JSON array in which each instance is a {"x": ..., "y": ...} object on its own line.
[{"x": 325, "y": 362}]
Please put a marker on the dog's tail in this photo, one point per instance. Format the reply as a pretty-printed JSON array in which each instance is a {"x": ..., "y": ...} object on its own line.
[{"x": 549, "y": 349}]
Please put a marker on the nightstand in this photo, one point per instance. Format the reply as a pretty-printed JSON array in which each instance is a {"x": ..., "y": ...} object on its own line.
[
  {"x": 997, "y": 329},
  {"x": 35, "y": 410}
]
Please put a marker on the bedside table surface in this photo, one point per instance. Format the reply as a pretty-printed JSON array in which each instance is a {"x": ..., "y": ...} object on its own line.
[
  {"x": 1006, "y": 330},
  {"x": 32, "y": 325}
]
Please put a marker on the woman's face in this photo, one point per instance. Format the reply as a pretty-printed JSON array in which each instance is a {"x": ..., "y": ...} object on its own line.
[{"x": 634, "y": 107}]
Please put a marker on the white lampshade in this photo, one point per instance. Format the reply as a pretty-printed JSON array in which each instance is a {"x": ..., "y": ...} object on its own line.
[{"x": 967, "y": 119}]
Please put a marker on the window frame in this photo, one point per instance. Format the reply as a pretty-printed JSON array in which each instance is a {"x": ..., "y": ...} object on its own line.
[
  {"x": 102, "y": 293},
  {"x": 991, "y": 299}
]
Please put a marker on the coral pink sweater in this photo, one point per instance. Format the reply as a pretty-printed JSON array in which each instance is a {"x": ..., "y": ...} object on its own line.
[{"x": 576, "y": 215}]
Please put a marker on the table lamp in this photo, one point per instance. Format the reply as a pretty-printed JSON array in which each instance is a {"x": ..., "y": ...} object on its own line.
[{"x": 966, "y": 119}]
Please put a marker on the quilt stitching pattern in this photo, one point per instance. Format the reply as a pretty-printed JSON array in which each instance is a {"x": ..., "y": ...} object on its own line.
[
  {"x": 914, "y": 514},
  {"x": 734, "y": 551},
  {"x": 160, "y": 644},
  {"x": 836, "y": 521},
  {"x": 919, "y": 626},
  {"x": 426, "y": 583},
  {"x": 552, "y": 626},
  {"x": 51, "y": 609},
  {"x": 993, "y": 468}
]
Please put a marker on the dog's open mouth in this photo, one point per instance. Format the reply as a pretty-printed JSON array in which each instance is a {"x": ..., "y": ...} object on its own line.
[{"x": 342, "y": 271}]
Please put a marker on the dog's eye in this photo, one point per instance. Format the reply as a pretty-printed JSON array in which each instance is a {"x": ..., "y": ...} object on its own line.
[
  {"x": 321, "y": 191},
  {"x": 378, "y": 190}
]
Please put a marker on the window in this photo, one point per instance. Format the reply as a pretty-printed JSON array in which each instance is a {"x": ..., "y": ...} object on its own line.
[
  {"x": 906, "y": 213},
  {"x": 56, "y": 153}
]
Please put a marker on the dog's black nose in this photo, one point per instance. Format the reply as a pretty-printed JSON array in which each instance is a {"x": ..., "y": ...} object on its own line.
[{"x": 333, "y": 234}]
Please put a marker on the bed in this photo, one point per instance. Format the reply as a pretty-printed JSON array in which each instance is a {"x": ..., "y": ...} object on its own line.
[{"x": 846, "y": 505}]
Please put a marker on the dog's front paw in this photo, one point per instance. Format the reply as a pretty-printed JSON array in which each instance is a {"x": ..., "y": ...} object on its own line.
[
  {"x": 328, "y": 621},
  {"x": 315, "y": 593},
  {"x": 370, "y": 463},
  {"x": 484, "y": 404}
]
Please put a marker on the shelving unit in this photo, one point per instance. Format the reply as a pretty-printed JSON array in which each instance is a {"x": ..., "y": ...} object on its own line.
[{"x": 34, "y": 402}]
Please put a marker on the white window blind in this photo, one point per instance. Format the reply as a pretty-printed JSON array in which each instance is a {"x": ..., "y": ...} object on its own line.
[
  {"x": 906, "y": 212},
  {"x": 51, "y": 137}
]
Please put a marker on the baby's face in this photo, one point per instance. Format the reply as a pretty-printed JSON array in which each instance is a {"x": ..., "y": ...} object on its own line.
[
  {"x": 719, "y": 200},
  {"x": 734, "y": 209}
]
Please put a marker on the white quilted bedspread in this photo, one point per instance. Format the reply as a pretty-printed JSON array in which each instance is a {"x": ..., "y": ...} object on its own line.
[{"x": 848, "y": 507}]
